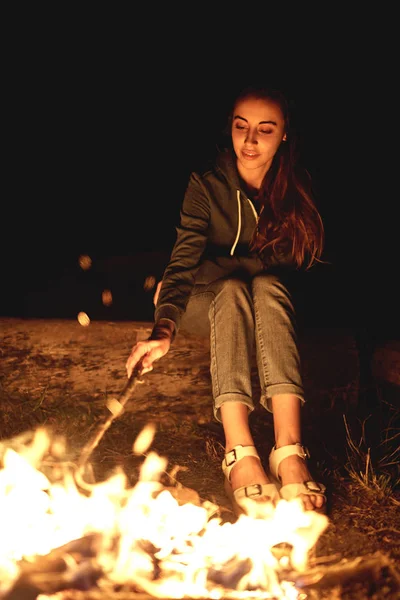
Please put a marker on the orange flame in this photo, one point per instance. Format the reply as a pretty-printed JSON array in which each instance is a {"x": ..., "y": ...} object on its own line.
[{"x": 148, "y": 539}]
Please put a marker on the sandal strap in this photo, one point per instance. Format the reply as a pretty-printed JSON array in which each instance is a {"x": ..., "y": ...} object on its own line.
[
  {"x": 309, "y": 488},
  {"x": 279, "y": 454},
  {"x": 257, "y": 490},
  {"x": 236, "y": 454}
]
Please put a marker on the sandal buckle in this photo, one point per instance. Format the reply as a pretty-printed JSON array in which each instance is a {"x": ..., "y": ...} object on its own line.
[
  {"x": 231, "y": 461},
  {"x": 255, "y": 490},
  {"x": 306, "y": 452},
  {"x": 314, "y": 487}
]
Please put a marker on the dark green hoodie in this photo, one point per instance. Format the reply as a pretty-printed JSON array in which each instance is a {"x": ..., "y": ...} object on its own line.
[{"x": 217, "y": 221}]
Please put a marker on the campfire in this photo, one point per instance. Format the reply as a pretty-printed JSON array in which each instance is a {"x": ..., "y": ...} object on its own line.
[
  {"x": 66, "y": 536},
  {"x": 59, "y": 532}
]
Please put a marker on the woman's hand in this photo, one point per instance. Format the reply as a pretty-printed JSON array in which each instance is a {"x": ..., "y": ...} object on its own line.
[{"x": 145, "y": 353}]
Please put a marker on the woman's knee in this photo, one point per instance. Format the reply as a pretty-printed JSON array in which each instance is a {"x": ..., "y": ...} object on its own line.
[
  {"x": 270, "y": 284},
  {"x": 233, "y": 287},
  {"x": 195, "y": 318}
]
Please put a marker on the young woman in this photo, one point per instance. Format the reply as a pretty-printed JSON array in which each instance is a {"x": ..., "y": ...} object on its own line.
[{"x": 246, "y": 223}]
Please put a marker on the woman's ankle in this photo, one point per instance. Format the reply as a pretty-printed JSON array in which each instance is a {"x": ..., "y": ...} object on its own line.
[
  {"x": 287, "y": 440},
  {"x": 229, "y": 447}
]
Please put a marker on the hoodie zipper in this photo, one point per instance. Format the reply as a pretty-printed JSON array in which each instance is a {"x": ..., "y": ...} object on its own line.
[{"x": 240, "y": 220}]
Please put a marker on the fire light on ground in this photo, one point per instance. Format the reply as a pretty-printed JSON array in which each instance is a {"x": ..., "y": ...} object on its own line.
[{"x": 140, "y": 537}]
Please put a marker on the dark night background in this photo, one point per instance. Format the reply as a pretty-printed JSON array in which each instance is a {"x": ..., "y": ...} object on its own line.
[{"x": 106, "y": 124}]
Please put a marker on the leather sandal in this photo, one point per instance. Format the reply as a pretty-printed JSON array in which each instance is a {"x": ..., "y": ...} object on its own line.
[
  {"x": 241, "y": 498},
  {"x": 293, "y": 490}
]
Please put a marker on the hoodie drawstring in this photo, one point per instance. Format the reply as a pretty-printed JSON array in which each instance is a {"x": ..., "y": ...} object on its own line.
[
  {"x": 253, "y": 209},
  {"x": 239, "y": 223},
  {"x": 240, "y": 220}
]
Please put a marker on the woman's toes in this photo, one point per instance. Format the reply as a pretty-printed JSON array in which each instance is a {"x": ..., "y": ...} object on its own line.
[
  {"x": 319, "y": 501},
  {"x": 308, "y": 503},
  {"x": 312, "y": 502}
]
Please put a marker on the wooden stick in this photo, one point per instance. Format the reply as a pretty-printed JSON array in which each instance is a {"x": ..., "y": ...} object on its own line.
[{"x": 116, "y": 408}]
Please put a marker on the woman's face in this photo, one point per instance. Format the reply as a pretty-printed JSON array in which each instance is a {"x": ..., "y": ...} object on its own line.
[{"x": 258, "y": 129}]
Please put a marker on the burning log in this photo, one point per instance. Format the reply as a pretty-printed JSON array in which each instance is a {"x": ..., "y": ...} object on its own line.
[
  {"x": 51, "y": 574},
  {"x": 72, "y": 566}
]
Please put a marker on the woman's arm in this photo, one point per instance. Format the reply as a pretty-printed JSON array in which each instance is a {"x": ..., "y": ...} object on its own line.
[
  {"x": 172, "y": 293},
  {"x": 180, "y": 273}
]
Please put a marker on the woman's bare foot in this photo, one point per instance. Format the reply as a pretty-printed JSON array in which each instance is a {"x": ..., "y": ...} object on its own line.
[
  {"x": 248, "y": 471},
  {"x": 293, "y": 469}
]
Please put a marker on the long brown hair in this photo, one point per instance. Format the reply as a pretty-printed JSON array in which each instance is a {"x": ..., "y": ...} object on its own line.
[{"x": 289, "y": 223}]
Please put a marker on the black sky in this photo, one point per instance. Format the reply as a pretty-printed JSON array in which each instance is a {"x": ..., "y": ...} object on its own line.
[{"x": 104, "y": 132}]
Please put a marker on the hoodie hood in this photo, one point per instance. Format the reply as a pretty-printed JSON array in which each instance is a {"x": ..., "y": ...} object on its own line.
[{"x": 226, "y": 164}]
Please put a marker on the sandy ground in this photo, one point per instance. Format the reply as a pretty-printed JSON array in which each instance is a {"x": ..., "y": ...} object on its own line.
[
  {"x": 60, "y": 374},
  {"x": 70, "y": 371}
]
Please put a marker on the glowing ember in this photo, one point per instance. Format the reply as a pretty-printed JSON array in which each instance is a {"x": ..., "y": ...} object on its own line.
[
  {"x": 85, "y": 262},
  {"x": 106, "y": 297},
  {"x": 83, "y": 319},
  {"x": 149, "y": 283},
  {"x": 146, "y": 538}
]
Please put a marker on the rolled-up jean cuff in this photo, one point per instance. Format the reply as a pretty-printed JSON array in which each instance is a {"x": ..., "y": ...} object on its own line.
[
  {"x": 231, "y": 397},
  {"x": 280, "y": 388}
]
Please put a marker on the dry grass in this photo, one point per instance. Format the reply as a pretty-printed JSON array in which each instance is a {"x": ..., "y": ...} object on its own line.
[{"x": 376, "y": 477}]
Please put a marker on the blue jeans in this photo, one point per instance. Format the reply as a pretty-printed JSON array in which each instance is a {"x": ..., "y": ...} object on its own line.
[{"x": 241, "y": 314}]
